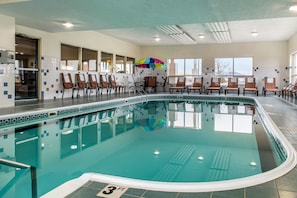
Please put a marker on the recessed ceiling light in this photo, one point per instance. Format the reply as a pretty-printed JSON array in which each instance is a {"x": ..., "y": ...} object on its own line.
[
  {"x": 254, "y": 33},
  {"x": 201, "y": 36},
  {"x": 293, "y": 7},
  {"x": 157, "y": 39},
  {"x": 68, "y": 24}
]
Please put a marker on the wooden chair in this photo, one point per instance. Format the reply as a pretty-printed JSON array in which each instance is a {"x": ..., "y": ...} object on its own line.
[
  {"x": 286, "y": 89},
  {"x": 291, "y": 90},
  {"x": 250, "y": 85},
  {"x": 114, "y": 85},
  {"x": 197, "y": 85},
  {"x": 150, "y": 81},
  {"x": 104, "y": 83},
  {"x": 68, "y": 83},
  {"x": 215, "y": 85},
  {"x": 232, "y": 85},
  {"x": 162, "y": 85},
  {"x": 180, "y": 85},
  {"x": 81, "y": 82},
  {"x": 92, "y": 83},
  {"x": 270, "y": 86}
]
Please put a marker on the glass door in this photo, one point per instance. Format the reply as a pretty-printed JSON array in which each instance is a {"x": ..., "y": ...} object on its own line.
[{"x": 26, "y": 68}]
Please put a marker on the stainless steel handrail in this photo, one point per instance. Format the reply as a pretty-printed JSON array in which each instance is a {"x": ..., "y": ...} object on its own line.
[{"x": 24, "y": 166}]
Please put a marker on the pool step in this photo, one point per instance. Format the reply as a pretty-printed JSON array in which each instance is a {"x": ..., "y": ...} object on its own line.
[
  {"x": 217, "y": 175},
  {"x": 172, "y": 169},
  {"x": 220, "y": 165},
  {"x": 168, "y": 173},
  {"x": 182, "y": 156},
  {"x": 221, "y": 159}
]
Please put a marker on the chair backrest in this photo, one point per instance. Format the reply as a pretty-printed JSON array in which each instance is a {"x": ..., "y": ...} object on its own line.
[
  {"x": 269, "y": 82},
  {"x": 92, "y": 79},
  {"x": 165, "y": 81},
  {"x": 112, "y": 81},
  {"x": 198, "y": 82},
  {"x": 233, "y": 82},
  {"x": 66, "y": 80},
  {"x": 250, "y": 82},
  {"x": 181, "y": 81},
  {"x": 150, "y": 81},
  {"x": 103, "y": 81},
  {"x": 81, "y": 80},
  {"x": 295, "y": 84},
  {"x": 215, "y": 82}
]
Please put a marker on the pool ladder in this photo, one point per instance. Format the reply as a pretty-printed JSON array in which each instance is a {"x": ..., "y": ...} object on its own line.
[
  {"x": 140, "y": 90},
  {"x": 21, "y": 166}
]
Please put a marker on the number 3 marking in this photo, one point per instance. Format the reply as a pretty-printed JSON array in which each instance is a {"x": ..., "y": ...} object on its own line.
[{"x": 111, "y": 189}]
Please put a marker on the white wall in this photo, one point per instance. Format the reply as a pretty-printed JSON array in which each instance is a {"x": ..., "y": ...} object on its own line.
[
  {"x": 7, "y": 29},
  {"x": 292, "y": 44},
  {"x": 270, "y": 57},
  {"x": 50, "y": 44},
  {"x": 292, "y": 48},
  {"x": 7, "y": 41}
]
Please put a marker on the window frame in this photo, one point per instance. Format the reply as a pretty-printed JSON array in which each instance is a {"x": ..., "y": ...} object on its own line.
[
  {"x": 172, "y": 78},
  {"x": 232, "y": 73}
]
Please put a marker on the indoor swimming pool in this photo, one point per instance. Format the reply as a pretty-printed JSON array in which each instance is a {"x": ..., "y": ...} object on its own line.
[{"x": 168, "y": 141}]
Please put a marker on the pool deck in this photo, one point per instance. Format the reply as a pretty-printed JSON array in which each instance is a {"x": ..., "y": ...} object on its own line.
[{"x": 282, "y": 112}]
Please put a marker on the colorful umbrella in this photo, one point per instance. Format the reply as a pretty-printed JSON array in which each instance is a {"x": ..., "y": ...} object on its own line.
[{"x": 150, "y": 63}]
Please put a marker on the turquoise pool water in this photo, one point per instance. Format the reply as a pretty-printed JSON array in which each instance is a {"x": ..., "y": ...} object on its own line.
[{"x": 158, "y": 141}]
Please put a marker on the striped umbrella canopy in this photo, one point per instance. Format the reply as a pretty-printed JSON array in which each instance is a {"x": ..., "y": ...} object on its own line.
[{"x": 150, "y": 63}]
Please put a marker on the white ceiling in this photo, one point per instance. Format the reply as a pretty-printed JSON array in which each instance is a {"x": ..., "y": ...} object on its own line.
[{"x": 137, "y": 20}]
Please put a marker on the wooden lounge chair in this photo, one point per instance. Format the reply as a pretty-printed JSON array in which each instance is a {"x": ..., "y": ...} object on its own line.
[
  {"x": 68, "y": 83},
  {"x": 162, "y": 85},
  {"x": 232, "y": 85},
  {"x": 93, "y": 83},
  {"x": 270, "y": 86},
  {"x": 114, "y": 85},
  {"x": 250, "y": 85},
  {"x": 291, "y": 90},
  {"x": 286, "y": 89},
  {"x": 197, "y": 85},
  {"x": 215, "y": 85},
  {"x": 180, "y": 85},
  {"x": 104, "y": 83},
  {"x": 81, "y": 82}
]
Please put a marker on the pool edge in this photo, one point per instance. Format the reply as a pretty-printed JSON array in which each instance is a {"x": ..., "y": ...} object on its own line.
[{"x": 277, "y": 172}]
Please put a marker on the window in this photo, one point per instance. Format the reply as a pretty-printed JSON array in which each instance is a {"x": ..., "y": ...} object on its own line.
[
  {"x": 106, "y": 62},
  {"x": 179, "y": 65},
  {"x": 69, "y": 57},
  {"x": 184, "y": 67},
  {"x": 89, "y": 59},
  {"x": 223, "y": 66},
  {"x": 189, "y": 67},
  {"x": 120, "y": 64},
  {"x": 241, "y": 66},
  {"x": 292, "y": 68},
  {"x": 129, "y": 65}
]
